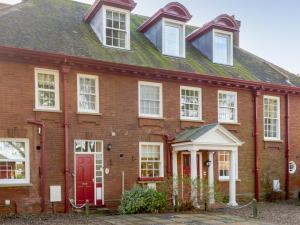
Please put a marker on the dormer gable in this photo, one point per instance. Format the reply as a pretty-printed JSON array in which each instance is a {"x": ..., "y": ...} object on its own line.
[
  {"x": 110, "y": 20},
  {"x": 166, "y": 29},
  {"x": 216, "y": 39}
]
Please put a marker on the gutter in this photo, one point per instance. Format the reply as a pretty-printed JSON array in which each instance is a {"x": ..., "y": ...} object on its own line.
[
  {"x": 65, "y": 70},
  {"x": 43, "y": 162},
  {"x": 287, "y": 145},
  {"x": 256, "y": 95}
]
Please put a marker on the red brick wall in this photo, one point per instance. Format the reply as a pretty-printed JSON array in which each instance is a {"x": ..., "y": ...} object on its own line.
[{"x": 119, "y": 108}]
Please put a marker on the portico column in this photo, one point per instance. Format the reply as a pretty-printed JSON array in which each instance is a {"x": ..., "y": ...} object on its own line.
[
  {"x": 194, "y": 177},
  {"x": 175, "y": 175},
  {"x": 211, "y": 178},
  {"x": 232, "y": 180}
]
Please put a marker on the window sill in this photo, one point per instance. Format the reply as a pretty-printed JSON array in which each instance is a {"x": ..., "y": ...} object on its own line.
[
  {"x": 272, "y": 140},
  {"x": 15, "y": 185},
  {"x": 227, "y": 180},
  {"x": 91, "y": 114},
  {"x": 230, "y": 123},
  {"x": 150, "y": 179},
  {"x": 47, "y": 110},
  {"x": 192, "y": 120},
  {"x": 151, "y": 118}
]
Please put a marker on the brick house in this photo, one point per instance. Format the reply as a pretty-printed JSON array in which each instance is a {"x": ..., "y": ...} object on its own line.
[{"x": 95, "y": 99}]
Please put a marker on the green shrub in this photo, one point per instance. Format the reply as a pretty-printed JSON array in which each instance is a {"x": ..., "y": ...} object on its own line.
[{"x": 140, "y": 200}]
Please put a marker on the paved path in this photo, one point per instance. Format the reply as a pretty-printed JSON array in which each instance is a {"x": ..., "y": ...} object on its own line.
[{"x": 180, "y": 219}]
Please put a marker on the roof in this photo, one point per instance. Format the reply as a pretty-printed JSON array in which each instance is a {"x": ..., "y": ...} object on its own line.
[
  {"x": 223, "y": 22},
  {"x": 57, "y": 26},
  {"x": 173, "y": 10},
  {"x": 193, "y": 134},
  {"x": 124, "y": 4}
]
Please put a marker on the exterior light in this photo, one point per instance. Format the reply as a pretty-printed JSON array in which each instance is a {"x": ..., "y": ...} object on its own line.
[
  {"x": 207, "y": 163},
  {"x": 109, "y": 147}
]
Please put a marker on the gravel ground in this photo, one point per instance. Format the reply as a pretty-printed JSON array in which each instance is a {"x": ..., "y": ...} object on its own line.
[
  {"x": 61, "y": 219},
  {"x": 283, "y": 213}
]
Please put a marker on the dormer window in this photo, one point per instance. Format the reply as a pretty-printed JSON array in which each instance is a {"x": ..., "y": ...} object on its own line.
[
  {"x": 166, "y": 29},
  {"x": 215, "y": 39},
  {"x": 222, "y": 49},
  {"x": 116, "y": 29},
  {"x": 174, "y": 39},
  {"x": 110, "y": 20}
]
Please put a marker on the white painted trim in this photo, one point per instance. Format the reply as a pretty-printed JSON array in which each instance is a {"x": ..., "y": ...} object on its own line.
[
  {"x": 161, "y": 146},
  {"x": 127, "y": 13},
  {"x": 278, "y": 138},
  {"x": 200, "y": 103},
  {"x": 160, "y": 115},
  {"x": 181, "y": 26},
  {"x": 94, "y": 154},
  {"x": 236, "y": 106},
  {"x": 56, "y": 80},
  {"x": 96, "y": 78},
  {"x": 27, "y": 163},
  {"x": 230, "y": 51}
]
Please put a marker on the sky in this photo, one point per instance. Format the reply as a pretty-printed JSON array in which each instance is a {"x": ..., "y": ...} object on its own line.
[{"x": 270, "y": 29}]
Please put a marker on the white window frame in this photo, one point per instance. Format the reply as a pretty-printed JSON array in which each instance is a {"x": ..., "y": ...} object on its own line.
[
  {"x": 96, "y": 111},
  {"x": 160, "y": 115},
  {"x": 235, "y": 120},
  {"x": 161, "y": 169},
  {"x": 200, "y": 103},
  {"x": 27, "y": 163},
  {"x": 37, "y": 71},
  {"x": 278, "y": 119},
  {"x": 230, "y": 50},
  {"x": 118, "y": 10},
  {"x": 181, "y": 25},
  {"x": 226, "y": 178}
]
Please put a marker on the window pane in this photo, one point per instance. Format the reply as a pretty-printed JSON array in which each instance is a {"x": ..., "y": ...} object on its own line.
[
  {"x": 46, "y": 90},
  {"x": 227, "y": 107},
  {"x": 271, "y": 118},
  {"x": 115, "y": 29},
  {"x": 150, "y": 100},
  {"x": 222, "y": 48},
  {"x": 172, "y": 40},
  {"x": 150, "y": 160},
  {"x": 190, "y": 104},
  {"x": 87, "y": 94},
  {"x": 12, "y": 157}
]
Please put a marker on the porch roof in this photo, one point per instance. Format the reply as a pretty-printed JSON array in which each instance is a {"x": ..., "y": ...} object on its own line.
[
  {"x": 209, "y": 137},
  {"x": 194, "y": 133}
]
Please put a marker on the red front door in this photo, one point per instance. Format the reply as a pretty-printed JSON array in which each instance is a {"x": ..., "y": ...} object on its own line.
[{"x": 85, "y": 179}]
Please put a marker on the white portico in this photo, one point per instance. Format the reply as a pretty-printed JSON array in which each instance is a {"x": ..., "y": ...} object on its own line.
[{"x": 210, "y": 138}]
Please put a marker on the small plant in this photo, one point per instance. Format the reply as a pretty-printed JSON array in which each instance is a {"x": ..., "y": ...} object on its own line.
[{"x": 140, "y": 200}]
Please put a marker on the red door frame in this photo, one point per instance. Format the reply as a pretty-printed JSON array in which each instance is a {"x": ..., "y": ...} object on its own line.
[{"x": 85, "y": 187}]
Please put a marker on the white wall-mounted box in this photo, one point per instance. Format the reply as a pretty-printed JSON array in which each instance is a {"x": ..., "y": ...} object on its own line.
[{"x": 55, "y": 193}]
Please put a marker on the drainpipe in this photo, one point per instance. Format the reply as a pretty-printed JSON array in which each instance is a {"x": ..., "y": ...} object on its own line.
[
  {"x": 65, "y": 70},
  {"x": 287, "y": 145},
  {"x": 42, "y": 126},
  {"x": 256, "y": 95},
  {"x": 169, "y": 154}
]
